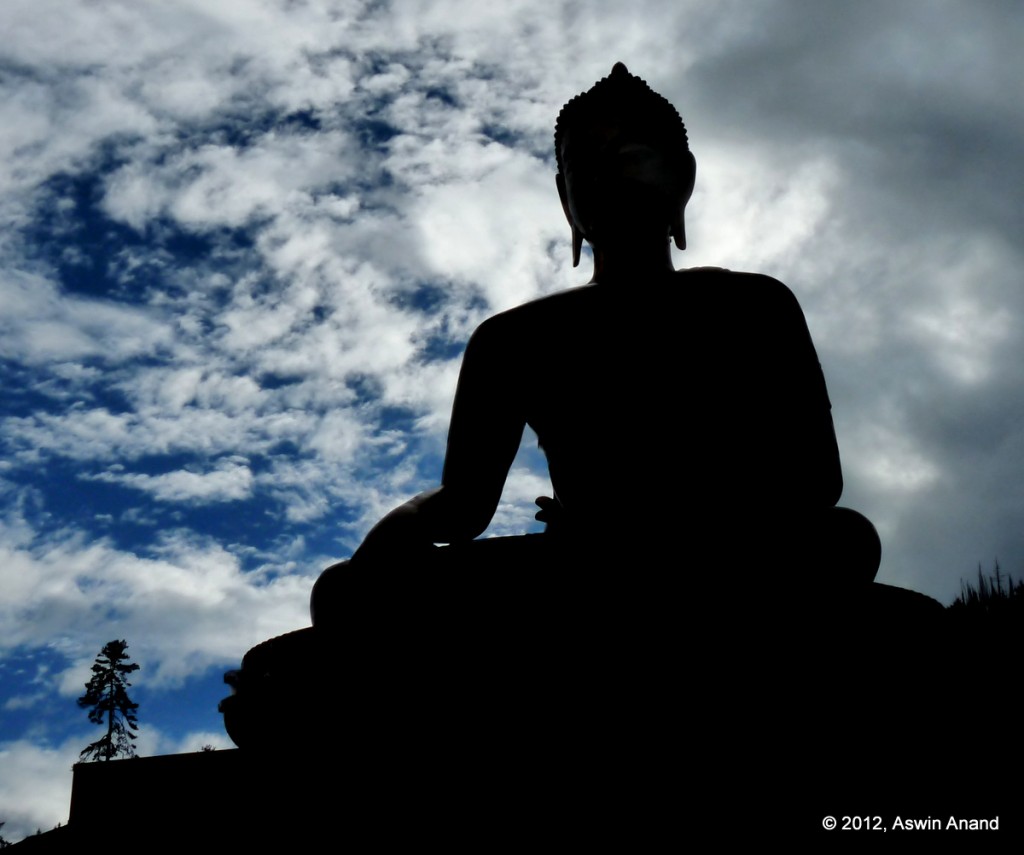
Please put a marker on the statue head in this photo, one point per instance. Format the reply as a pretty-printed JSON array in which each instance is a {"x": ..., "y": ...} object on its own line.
[{"x": 624, "y": 163}]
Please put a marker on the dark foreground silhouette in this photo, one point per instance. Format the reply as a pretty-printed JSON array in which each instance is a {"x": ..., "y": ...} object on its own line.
[
  {"x": 688, "y": 432},
  {"x": 698, "y": 607},
  {"x": 682, "y": 413}
]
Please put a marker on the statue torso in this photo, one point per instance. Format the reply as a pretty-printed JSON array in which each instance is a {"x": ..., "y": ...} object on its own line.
[{"x": 705, "y": 387}]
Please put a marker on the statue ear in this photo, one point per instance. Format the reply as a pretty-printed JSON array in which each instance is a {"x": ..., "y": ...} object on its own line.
[
  {"x": 678, "y": 230},
  {"x": 577, "y": 238},
  {"x": 563, "y": 195},
  {"x": 678, "y": 226}
]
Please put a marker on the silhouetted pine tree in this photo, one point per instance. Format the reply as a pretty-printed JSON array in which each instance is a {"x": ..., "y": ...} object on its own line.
[{"x": 107, "y": 695}]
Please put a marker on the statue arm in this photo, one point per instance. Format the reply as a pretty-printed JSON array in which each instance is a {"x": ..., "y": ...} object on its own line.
[
  {"x": 483, "y": 438},
  {"x": 487, "y": 424},
  {"x": 823, "y": 468},
  {"x": 815, "y": 452}
]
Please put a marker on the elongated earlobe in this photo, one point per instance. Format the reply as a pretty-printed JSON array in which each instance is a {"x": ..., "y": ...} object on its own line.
[
  {"x": 577, "y": 238},
  {"x": 679, "y": 230},
  {"x": 678, "y": 223}
]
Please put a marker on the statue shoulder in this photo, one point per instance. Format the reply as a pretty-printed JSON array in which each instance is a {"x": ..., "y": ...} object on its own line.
[
  {"x": 537, "y": 314},
  {"x": 755, "y": 292},
  {"x": 722, "y": 277}
]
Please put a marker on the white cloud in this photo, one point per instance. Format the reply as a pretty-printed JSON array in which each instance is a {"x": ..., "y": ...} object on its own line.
[
  {"x": 40, "y": 324},
  {"x": 469, "y": 233},
  {"x": 35, "y": 788},
  {"x": 230, "y": 480},
  {"x": 187, "y": 607},
  {"x": 223, "y": 186},
  {"x": 24, "y": 702},
  {"x": 759, "y": 208}
]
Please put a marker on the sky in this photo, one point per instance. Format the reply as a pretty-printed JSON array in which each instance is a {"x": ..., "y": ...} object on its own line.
[{"x": 243, "y": 243}]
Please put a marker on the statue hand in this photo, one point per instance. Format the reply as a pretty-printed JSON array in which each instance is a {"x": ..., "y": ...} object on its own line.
[{"x": 551, "y": 513}]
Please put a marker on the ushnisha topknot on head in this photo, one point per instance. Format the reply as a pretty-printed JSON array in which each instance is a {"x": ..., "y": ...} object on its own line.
[{"x": 624, "y": 96}]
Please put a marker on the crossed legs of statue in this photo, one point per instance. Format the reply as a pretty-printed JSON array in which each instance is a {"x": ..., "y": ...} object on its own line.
[
  {"x": 537, "y": 644},
  {"x": 541, "y": 577}
]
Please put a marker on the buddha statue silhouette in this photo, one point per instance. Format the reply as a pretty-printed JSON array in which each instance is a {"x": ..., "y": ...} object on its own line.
[{"x": 683, "y": 414}]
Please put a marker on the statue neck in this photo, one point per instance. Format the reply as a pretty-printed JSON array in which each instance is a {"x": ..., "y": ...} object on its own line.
[{"x": 632, "y": 261}]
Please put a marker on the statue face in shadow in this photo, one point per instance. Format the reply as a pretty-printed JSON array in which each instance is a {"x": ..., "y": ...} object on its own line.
[{"x": 622, "y": 184}]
